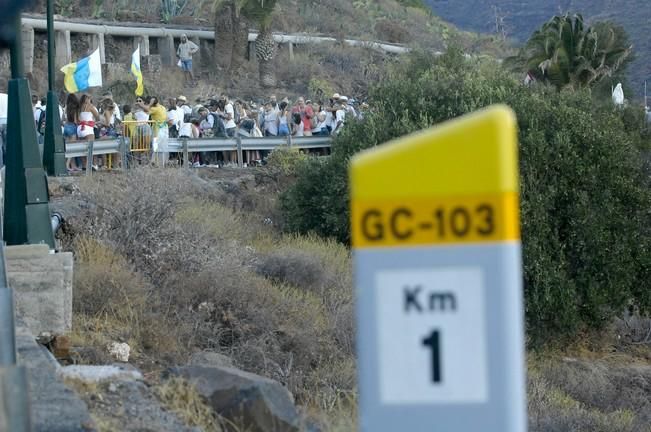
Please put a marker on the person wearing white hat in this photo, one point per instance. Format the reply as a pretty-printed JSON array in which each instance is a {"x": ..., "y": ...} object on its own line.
[{"x": 182, "y": 102}]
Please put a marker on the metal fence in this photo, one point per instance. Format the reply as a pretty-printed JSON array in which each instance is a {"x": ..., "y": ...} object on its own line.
[{"x": 122, "y": 146}]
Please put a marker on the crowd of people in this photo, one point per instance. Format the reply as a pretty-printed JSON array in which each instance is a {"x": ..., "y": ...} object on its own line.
[{"x": 151, "y": 122}]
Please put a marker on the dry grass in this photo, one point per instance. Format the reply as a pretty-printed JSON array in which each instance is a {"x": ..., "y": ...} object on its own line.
[
  {"x": 178, "y": 265},
  {"x": 170, "y": 270},
  {"x": 180, "y": 397}
]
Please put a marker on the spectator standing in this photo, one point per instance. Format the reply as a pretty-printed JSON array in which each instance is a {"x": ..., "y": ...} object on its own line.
[
  {"x": 284, "y": 119},
  {"x": 306, "y": 113},
  {"x": 182, "y": 102},
  {"x": 88, "y": 115},
  {"x": 229, "y": 117},
  {"x": 70, "y": 128},
  {"x": 271, "y": 120},
  {"x": 158, "y": 115},
  {"x": 184, "y": 52},
  {"x": 116, "y": 108},
  {"x": 298, "y": 126}
]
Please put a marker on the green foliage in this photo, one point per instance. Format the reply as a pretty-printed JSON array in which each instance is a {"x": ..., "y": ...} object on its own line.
[
  {"x": 566, "y": 54},
  {"x": 286, "y": 160},
  {"x": 585, "y": 197}
]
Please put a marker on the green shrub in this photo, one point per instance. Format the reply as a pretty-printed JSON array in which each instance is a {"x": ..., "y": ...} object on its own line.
[{"x": 584, "y": 196}]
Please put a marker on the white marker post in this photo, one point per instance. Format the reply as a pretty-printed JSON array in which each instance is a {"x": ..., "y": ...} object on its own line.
[{"x": 435, "y": 227}]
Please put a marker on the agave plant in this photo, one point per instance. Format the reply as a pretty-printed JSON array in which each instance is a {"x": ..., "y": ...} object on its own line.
[{"x": 171, "y": 8}]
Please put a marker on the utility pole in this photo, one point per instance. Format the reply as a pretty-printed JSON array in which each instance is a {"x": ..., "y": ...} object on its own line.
[
  {"x": 54, "y": 154},
  {"x": 26, "y": 208}
]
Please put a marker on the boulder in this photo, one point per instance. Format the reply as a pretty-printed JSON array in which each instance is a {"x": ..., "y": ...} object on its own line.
[
  {"x": 252, "y": 402},
  {"x": 210, "y": 359}
]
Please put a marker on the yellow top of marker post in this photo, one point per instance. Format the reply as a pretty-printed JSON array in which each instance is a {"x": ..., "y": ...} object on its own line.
[{"x": 453, "y": 183}]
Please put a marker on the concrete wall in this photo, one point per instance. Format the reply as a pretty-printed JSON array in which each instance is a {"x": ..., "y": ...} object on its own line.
[{"x": 42, "y": 284}]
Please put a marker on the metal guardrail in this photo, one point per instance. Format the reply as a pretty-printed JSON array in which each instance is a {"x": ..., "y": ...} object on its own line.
[{"x": 239, "y": 144}]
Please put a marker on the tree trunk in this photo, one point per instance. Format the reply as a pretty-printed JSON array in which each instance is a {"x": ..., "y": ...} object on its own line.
[
  {"x": 240, "y": 42},
  {"x": 265, "y": 50},
  {"x": 225, "y": 23}
]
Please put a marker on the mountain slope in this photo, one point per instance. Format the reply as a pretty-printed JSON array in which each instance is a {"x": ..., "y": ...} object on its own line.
[{"x": 519, "y": 18}]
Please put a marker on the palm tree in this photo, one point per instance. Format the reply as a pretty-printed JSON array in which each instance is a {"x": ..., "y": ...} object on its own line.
[
  {"x": 231, "y": 32},
  {"x": 566, "y": 54},
  {"x": 261, "y": 12}
]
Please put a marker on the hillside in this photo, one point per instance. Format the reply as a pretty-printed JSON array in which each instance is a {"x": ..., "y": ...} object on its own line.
[
  {"x": 387, "y": 20},
  {"x": 521, "y": 18}
]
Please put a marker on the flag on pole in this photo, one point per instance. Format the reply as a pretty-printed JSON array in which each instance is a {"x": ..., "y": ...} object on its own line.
[
  {"x": 83, "y": 74},
  {"x": 135, "y": 70}
]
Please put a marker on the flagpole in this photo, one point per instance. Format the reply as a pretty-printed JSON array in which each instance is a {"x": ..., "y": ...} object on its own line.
[{"x": 53, "y": 149}]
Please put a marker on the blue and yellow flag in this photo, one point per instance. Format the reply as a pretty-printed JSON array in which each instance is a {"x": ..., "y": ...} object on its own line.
[
  {"x": 83, "y": 74},
  {"x": 135, "y": 70}
]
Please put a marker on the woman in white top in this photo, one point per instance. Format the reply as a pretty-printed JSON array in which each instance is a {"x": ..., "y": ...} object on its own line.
[
  {"x": 298, "y": 126},
  {"x": 87, "y": 116}
]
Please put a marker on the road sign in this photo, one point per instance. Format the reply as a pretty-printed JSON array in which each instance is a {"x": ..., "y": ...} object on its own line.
[{"x": 435, "y": 229}]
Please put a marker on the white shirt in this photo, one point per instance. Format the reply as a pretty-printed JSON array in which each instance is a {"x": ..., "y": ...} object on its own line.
[
  {"x": 229, "y": 124},
  {"x": 141, "y": 116},
  {"x": 186, "y": 109},
  {"x": 187, "y": 130},
  {"x": 37, "y": 111},
  {"x": 271, "y": 122},
  {"x": 300, "y": 128},
  {"x": 207, "y": 123},
  {"x": 171, "y": 117},
  {"x": 116, "y": 113}
]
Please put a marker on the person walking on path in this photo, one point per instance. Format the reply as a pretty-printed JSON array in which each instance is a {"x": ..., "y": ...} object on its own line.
[{"x": 184, "y": 52}]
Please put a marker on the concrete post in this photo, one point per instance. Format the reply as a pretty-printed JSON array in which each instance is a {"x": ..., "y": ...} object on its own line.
[
  {"x": 96, "y": 40},
  {"x": 167, "y": 51},
  {"x": 291, "y": 51},
  {"x": 64, "y": 48},
  {"x": 196, "y": 59},
  {"x": 28, "y": 48},
  {"x": 143, "y": 41}
]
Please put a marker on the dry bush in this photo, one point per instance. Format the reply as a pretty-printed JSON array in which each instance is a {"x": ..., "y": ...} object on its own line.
[
  {"x": 104, "y": 282},
  {"x": 392, "y": 31},
  {"x": 136, "y": 214},
  {"x": 605, "y": 387},
  {"x": 552, "y": 410},
  {"x": 322, "y": 267}
]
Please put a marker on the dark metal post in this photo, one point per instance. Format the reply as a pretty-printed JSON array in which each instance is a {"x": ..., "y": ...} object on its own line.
[
  {"x": 26, "y": 208},
  {"x": 240, "y": 156},
  {"x": 186, "y": 156},
  {"x": 54, "y": 157}
]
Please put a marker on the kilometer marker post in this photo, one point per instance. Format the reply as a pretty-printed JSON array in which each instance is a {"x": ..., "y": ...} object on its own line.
[{"x": 436, "y": 238}]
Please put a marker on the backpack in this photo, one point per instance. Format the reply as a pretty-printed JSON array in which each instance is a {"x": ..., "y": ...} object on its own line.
[{"x": 218, "y": 129}]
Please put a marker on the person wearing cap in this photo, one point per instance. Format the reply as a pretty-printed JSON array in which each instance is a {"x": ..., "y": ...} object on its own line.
[
  {"x": 350, "y": 111},
  {"x": 184, "y": 52}
]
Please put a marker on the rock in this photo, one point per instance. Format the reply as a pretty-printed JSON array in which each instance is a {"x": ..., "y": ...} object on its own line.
[
  {"x": 112, "y": 388},
  {"x": 96, "y": 374},
  {"x": 210, "y": 359},
  {"x": 260, "y": 404},
  {"x": 119, "y": 351}
]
